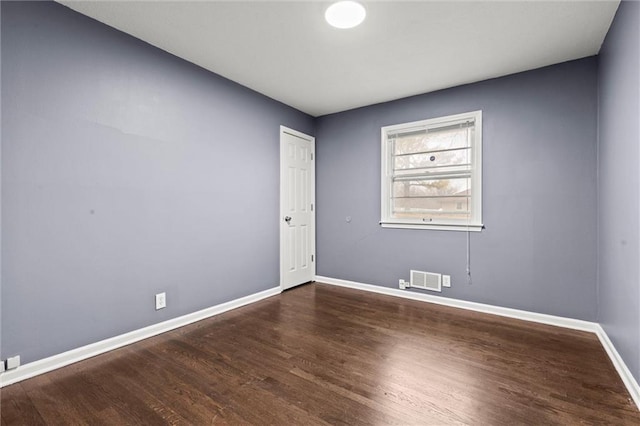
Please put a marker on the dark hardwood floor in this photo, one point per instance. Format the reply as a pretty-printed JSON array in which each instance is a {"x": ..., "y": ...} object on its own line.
[{"x": 319, "y": 354}]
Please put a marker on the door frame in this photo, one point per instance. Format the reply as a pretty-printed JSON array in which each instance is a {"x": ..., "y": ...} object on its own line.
[{"x": 312, "y": 195}]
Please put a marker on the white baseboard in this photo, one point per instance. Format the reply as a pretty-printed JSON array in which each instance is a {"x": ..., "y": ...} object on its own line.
[
  {"x": 45, "y": 365},
  {"x": 627, "y": 378},
  {"x": 575, "y": 324}
]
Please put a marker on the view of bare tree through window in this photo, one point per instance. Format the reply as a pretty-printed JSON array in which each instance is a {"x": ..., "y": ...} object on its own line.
[{"x": 432, "y": 173}]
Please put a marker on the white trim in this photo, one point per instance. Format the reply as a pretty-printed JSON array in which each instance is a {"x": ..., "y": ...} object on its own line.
[
  {"x": 575, "y": 324},
  {"x": 54, "y": 362},
  {"x": 386, "y": 174},
  {"x": 435, "y": 227},
  {"x": 45, "y": 365},
  {"x": 627, "y": 378},
  {"x": 312, "y": 196},
  {"x": 292, "y": 132}
]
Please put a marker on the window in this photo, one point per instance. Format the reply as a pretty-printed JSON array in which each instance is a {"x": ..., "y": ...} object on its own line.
[{"x": 432, "y": 173}]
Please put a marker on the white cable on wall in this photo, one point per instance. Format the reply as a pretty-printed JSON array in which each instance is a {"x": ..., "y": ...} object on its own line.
[{"x": 468, "y": 216}]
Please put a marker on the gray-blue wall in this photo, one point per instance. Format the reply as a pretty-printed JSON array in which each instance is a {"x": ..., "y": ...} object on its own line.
[
  {"x": 619, "y": 185},
  {"x": 538, "y": 251},
  {"x": 125, "y": 172}
]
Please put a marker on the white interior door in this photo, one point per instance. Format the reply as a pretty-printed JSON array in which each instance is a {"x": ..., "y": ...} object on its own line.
[{"x": 297, "y": 210}]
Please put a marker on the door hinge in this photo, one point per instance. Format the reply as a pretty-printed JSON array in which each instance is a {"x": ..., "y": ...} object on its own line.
[
  {"x": 311, "y": 206},
  {"x": 312, "y": 258},
  {"x": 312, "y": 156}
]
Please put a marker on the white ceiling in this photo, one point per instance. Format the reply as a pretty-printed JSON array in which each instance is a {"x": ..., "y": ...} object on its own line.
[{"x": 286, "y": 50}]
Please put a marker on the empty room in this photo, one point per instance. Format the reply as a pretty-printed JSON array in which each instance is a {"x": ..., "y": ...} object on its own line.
[{"x": 317, "y": 212}]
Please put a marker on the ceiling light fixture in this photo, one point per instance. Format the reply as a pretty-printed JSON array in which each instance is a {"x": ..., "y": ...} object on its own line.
[{"x": 345, "y": 14}]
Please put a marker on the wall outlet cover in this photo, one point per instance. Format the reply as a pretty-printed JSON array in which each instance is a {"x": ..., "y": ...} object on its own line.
[
  {"x": 446, "y": 281},
  {"x": 13, "y": 362},
  {"x": 161, "y": 300}
]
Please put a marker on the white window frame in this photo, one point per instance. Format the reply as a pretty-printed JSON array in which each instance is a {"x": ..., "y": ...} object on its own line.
[{"x": 475, "y": 221}]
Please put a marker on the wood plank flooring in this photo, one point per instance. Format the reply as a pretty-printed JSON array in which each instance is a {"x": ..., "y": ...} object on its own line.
[{"x": 319, "y": 354}]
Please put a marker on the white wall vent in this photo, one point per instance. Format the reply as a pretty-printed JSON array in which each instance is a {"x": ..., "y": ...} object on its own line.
[{"x": 426, "y": 280}]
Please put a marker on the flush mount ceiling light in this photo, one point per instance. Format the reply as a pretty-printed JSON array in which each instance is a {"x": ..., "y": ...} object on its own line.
[{"x": 345, "y": 14}]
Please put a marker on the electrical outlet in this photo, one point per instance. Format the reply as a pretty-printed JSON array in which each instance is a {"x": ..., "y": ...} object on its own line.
[
  {"x": 402, "y": 284},
  {"x": 13, "y": 362},
  {"x": 446, "y": 281},
  {"x": 1, "y": 366},
  {"x": 161, "y": 300}
]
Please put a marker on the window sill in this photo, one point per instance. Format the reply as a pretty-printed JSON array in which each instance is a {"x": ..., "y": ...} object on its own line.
[{"x": 432, "y": 226}]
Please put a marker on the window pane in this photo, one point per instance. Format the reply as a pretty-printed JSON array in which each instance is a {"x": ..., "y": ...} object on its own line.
[
  {"x": 431, "y": 208},
  {"x": 460, "y": 187},
  {"x": 432, "y": 141},
  {"x": 434, "y": 159}
]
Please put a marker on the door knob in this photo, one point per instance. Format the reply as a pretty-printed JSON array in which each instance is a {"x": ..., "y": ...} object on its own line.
[{"x": 287, "y": 219}]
